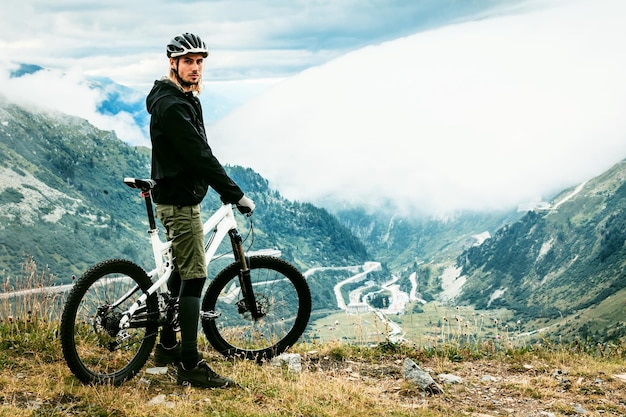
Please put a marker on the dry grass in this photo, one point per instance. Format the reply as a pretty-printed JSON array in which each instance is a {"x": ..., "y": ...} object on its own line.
[{"x": 337, "y": 379}]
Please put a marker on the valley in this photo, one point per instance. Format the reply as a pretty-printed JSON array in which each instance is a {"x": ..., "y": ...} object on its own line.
[{"x": 406, "y": 317}]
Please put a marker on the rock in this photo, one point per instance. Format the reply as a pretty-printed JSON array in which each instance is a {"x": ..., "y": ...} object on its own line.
[
  {"x": 145, "y": 381},
  {"x": 422, "y": 379},
  {"x": 158, "y": 370},
  {"x": 621, "y": 377},
  {"x": 489, "y": 378},
  {"x": 292, "y": 360},
  {"x": 161, "y": 399},
  {"x": 450, "y": 379}
]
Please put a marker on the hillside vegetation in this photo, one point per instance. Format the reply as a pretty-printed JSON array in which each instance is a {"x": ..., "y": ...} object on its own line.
[
  {"x": 558, "y": 261},
  {"x": 63, "y": 202}
]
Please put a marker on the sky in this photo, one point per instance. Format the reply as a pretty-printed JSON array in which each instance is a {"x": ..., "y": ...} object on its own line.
[
  {"x": 248, "y": 39},
  {"x": 434, "y": 106}
]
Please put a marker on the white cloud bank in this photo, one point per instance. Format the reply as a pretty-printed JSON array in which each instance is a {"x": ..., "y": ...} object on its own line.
[
  {"x": 480, "y": 115},
  {"x": 68, "y": 92}
]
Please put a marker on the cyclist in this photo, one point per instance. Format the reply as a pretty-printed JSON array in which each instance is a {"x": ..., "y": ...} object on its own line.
[{"x": 184, "y": 167}]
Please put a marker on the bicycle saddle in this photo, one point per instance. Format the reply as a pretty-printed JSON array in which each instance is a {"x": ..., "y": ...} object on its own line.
[{"x": 143, "y": 185}]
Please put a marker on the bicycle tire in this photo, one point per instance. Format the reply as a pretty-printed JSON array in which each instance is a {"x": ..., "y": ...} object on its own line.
[
  {"x": 281, "y": 292},
  {"x": 89, "y": 330}
]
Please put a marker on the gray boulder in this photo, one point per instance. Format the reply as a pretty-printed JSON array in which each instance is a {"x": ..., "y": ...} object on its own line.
[{"x": 412, "y": 372}]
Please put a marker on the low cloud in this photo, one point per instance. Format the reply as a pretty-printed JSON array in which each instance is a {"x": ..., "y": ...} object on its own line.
[
  {"x": 71, "y": 93},
  {"x": 481, "y": 115}
]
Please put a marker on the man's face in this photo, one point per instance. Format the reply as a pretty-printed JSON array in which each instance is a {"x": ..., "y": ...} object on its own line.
[{"x": 189, "y": 68}]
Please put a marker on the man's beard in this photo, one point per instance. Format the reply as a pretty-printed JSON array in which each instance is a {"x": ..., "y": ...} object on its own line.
[{"x": 188, "y": 83}]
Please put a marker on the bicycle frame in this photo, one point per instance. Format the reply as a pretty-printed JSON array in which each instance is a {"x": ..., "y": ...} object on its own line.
[{"x": 221, "y": 223}]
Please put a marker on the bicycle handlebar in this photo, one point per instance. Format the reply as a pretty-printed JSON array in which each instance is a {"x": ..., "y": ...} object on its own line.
[{"x": 244, "y": 210}]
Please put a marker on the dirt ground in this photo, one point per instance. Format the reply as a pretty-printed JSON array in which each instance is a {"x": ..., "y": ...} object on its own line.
[
  {"x": 528, "y": 386},
  {"x": 495, "y": 388}
]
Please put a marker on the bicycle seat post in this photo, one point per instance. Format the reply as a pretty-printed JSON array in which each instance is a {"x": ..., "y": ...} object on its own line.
[
  {"x": 145, "y": 194},
  {"x": 145, "y": 186}
]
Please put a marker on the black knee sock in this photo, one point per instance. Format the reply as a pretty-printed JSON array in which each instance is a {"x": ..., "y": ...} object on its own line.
[{"x": 189, "y": 314}]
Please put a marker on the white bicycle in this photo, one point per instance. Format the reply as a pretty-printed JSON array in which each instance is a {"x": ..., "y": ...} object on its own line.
[{"x": 255, "y": 308}]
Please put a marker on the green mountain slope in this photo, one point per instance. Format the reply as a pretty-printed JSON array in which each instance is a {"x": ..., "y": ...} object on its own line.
[
  {"x": 63, "y": 202},
  {"x": 557, "y": 261}
]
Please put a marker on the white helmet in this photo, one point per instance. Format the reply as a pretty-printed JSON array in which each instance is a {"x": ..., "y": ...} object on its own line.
[{"x": 186, "y": 43}]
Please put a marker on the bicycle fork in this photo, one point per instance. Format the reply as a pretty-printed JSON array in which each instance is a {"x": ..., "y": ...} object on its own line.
[{"x": 248, "y": 303}]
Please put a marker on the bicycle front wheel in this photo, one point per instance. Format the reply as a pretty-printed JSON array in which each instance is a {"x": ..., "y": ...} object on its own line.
[
  {"x": 282, "y": 297},
  {"x": 95, "y": 348}
]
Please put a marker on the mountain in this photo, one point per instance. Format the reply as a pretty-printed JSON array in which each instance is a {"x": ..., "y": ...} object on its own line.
[
  {"x": 63, "y": 202},
  {"x": 117, "y": 99},
  {"x": 563, "y": 260},
  {"x": 559, "y": 269},
  {"x": 401, "y": 241},
  {"x": 24, "y": 69},
  {"x": 114, "y": 98},
  {"x": 404, "y": 244}
]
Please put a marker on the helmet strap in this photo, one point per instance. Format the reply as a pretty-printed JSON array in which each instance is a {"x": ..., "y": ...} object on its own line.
[{"x": 180, "y": 80}]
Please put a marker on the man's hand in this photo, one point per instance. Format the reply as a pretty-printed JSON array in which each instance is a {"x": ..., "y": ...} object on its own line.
[{"x": 245, "y": 205}]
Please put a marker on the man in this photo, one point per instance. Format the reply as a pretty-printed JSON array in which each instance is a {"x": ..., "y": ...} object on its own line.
[{"x": 184, "y": 166}]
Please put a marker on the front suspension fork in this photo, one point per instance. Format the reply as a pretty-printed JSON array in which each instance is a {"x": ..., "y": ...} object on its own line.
[{"x": 244, "y": 276}]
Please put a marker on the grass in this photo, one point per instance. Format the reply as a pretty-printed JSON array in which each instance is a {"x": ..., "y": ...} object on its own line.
[{"x": 338, "y": 378}]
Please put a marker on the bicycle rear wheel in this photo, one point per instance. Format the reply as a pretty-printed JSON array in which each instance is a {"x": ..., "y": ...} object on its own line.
[
  {"x": 282, "y": 295},
  {"x": 94, "y": 347}
]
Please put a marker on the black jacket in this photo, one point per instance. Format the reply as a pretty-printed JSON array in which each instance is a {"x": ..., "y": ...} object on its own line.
[{"x": 183, "y": 164}]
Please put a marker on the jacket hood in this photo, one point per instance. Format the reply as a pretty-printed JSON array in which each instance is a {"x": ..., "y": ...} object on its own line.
[{"x": 161, "y": 88}]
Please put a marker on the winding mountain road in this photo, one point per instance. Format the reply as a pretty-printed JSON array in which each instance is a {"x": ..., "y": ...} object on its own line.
[{"x": 357, "y": 301}]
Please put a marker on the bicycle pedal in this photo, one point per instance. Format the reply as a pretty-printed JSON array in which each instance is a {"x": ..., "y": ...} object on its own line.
[{"x": 209, "y": 315}]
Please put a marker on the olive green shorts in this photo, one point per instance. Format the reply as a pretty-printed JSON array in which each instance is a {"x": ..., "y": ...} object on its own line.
[{"x": 183, "y": 226}]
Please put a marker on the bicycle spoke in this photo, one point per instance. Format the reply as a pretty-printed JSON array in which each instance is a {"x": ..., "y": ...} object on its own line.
[
  {"x": 94, "y": 346},
  {"x": 278, "y": 303},
  {"x": 282, "y": 301},
  {"x": 103, "y": 351}
]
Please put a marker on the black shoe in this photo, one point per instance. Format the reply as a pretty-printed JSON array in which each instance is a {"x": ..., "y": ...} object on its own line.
[
  {"x": 202, "y": 376},
  {"x": 164, "y": 356}
]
